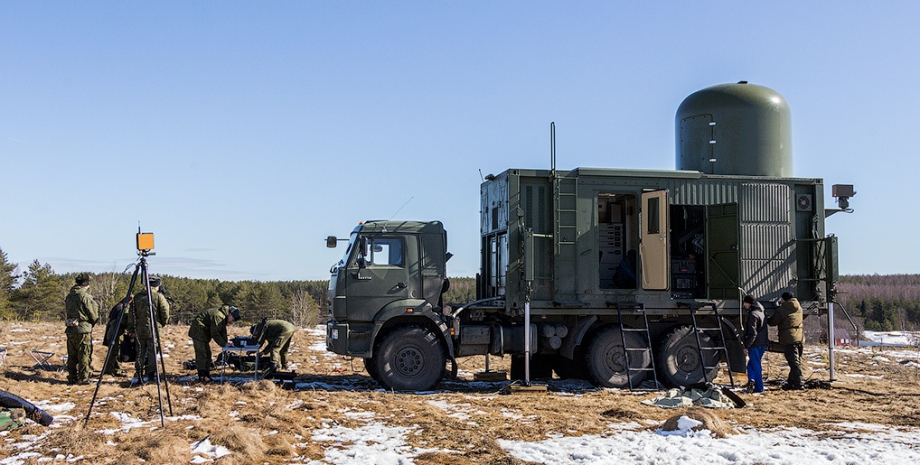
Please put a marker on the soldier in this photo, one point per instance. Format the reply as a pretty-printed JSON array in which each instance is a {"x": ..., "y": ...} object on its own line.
[
  {"x": 788, "y": 320},
  {"x": 114, "y": 336},
  {"x": 81, "y": 313},
  {"x": 278, "y": 335},
  {"x": 139, "y": 321},
  {"x": 207, "y": 325}
]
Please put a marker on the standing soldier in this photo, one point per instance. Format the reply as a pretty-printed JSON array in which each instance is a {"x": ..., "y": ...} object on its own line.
[
  {"x": 788, "y": 321},
  {"x": 207, "y": 325},
  {"x": 146, "y": 364},
  {"x": 114, "y": 336},
  {"x": 80, "y": 312},
  {"x": 278, "y": 335},
  {"x": 755, "y": 342}
]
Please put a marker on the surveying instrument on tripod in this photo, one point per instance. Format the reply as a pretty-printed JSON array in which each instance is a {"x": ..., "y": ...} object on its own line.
[{"x": 144, "y": 247}]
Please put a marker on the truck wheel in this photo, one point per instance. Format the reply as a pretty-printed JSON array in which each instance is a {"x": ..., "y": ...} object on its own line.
[
  {"x": 679, "y": 358},
  {"x": 409, "y": 359},
  {"x": 371, "y": 367},
  {"x": 606, "y": 359}
]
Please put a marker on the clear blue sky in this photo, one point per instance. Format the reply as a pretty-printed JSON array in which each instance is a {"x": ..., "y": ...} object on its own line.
[{"x": 243, "y": 133}]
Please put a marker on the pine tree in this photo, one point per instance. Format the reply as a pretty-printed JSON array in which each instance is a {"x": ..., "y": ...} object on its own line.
[
  {"x": 7, "y": 282},
  {"x": 41, "y": 295}
]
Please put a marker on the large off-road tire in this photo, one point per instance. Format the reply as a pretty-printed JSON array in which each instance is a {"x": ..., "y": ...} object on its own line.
[
  {"x": 371, "y": 367},
  {"x": 541, "y": 366},
  {"x": 409, "y": 359},
  {"x": 679, "y": 357},
  {"x": 605, "y": 359}
]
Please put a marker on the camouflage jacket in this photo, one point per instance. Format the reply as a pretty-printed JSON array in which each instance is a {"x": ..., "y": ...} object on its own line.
[
  {"x": 210, "y": 324},
  {"x": 80, "y": 311},
  {"x": 788, "y": 321},
  {"x": 273, "y": 330},
  {"x": 139, "y": 318}
]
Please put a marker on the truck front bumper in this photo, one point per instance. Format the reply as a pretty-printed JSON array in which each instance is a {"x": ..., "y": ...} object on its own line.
[{"x": 352, "y": 339}]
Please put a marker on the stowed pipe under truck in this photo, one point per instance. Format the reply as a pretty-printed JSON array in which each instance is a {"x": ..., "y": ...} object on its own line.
[{"x": 625, "y": 275}]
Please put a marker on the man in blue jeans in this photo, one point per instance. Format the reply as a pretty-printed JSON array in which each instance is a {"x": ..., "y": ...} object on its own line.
[{"x": 755, "y": 341}]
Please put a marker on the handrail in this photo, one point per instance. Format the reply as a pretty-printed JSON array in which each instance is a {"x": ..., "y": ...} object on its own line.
[{"x": 475, "y": 302}]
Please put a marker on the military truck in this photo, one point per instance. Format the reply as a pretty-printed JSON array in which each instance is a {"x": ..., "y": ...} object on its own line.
[{"x": 617, "y": 276}]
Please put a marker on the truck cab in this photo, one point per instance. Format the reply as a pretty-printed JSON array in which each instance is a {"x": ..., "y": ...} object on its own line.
[{"x": 391, "y": 278}]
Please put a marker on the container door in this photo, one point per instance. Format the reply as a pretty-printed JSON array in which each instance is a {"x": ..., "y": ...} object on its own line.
[
  {"x": 653, "y": 246},
  {"x": 723, "y": 260}
]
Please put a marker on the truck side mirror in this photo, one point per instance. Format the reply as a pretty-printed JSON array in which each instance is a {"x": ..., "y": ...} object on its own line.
[{"x": 331, "y": 242}]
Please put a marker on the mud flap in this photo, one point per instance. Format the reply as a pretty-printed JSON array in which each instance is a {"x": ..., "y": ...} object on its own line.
[{"x": 737, "y": 361}]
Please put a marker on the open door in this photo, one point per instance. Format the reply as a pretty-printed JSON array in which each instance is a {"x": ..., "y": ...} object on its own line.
[
  {"x": 723, "y": 259},
  {"x": 653, "y": 236}
]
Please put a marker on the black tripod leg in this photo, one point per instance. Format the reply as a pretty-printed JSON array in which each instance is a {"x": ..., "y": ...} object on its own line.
[
  {"x": 153, "y": 337},
  {"x": 108, "y": 355}
]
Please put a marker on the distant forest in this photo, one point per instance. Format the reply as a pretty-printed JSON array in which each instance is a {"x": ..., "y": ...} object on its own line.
[
  {"x": 886, "y": 303},
  {"x": 37, "y": 294}
]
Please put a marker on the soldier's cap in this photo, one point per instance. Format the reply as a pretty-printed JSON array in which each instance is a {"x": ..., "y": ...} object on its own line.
[
  {"x": 235, "y": 313},
  {"x": 83, "y": 279},
  {"x": 154, "y": 281}
]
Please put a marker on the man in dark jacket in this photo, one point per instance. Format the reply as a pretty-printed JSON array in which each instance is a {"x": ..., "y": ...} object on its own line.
[
  {"x": 144, "y": 329},
  {"x": 277, "y": 333},
  {"x": 755, "y": 341},
  {"x": 80, "y": 312},
  {"x": 788, "y": 320},
  {"x": 207, "y": 325},
  {"x": 114, "y": 335}
]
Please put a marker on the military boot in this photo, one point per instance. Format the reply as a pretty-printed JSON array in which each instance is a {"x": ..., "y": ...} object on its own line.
[{"x": 204, "y": 376}]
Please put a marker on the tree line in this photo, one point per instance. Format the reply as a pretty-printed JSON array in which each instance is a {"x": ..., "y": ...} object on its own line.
[
  {"x": 882, "y": 302},
  {"x": 37, "y": 294}
]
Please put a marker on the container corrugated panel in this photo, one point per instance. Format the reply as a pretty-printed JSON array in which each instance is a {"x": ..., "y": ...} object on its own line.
[
  {"x": 764, "y": 278},
  {"x": 762, "y": 241},
  {"x": 765, "y": 203},
  {"x": 703, "y": 193}
]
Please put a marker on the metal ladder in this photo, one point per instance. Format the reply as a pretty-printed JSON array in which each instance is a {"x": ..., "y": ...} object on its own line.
[
  {"x": 627, "y": 350},
  {"x": 699, "y": 343}
]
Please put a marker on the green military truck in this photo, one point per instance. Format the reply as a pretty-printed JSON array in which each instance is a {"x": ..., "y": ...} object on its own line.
[{"x": 616, "y": 276}]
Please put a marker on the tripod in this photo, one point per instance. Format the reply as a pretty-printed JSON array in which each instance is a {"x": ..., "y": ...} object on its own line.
[{"x": 154, "y": 335}]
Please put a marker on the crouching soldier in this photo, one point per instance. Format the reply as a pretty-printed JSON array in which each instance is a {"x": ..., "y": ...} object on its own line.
[
  {"x": 114, "y": 337},
  {"x": 277, "y": 333},
  {"x": 207, "y": 325}
]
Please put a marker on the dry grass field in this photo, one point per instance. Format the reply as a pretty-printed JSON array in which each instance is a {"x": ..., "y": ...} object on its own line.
[{"x": 460, "y": 422}]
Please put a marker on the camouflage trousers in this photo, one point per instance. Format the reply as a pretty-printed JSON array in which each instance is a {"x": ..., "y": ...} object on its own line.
[
  {"x": 114, "y": 364},
  {"x": 146, "y": 364},
  {"x": 79, "y": 356},
  {"x": 278, "y": 349},
  {"x": 202, "y": 354}
]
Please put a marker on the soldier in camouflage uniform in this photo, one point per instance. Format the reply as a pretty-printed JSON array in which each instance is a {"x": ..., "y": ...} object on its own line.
[
  {"x": 139, "y": 321},
  {"x": 114, "y": 335},
  {"x": 277, "y": 333},
  {"x": 788, "y": 320},
  {"x": 207, "y": 325},
  {"x": 80, "y": 312}
]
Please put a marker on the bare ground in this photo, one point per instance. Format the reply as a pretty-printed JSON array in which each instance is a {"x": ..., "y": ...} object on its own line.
[{"x": 459, "y": 423}]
